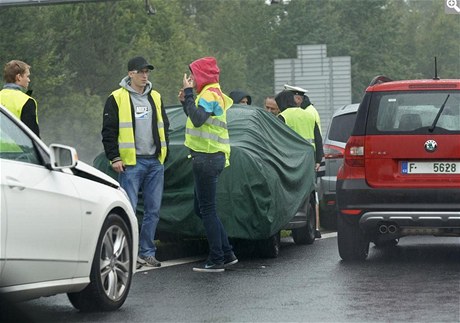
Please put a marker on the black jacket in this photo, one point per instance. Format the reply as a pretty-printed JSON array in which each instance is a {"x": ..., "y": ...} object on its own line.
[{"x": 29, "y": 116}]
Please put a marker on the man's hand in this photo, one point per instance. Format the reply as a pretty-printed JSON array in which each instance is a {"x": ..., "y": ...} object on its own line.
[
  {"x": 118, "y": 166},
  {"x": 317, "y": 167}
]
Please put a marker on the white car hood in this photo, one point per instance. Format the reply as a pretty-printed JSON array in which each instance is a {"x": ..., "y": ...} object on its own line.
[{"x": 84, "y": 167}]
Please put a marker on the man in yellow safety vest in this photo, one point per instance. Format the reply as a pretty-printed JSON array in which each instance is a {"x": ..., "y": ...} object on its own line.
[
  {"x": 306, "y": 124},
  {"x": 14, "y": 97},
  {"x": 135, "y": 138}
]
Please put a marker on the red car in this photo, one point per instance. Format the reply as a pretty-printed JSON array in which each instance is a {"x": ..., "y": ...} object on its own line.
[{"x": 401, "y": 171}]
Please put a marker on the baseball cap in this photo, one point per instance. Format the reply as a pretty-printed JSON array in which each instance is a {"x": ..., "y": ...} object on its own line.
[{"x": 137, "y": 63}]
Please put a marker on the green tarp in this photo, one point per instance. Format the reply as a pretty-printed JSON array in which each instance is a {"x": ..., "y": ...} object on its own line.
[{"x": 271, "y": 173}]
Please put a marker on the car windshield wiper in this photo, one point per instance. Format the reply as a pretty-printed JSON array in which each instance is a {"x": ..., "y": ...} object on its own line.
[{"x": 430, "y": 129}]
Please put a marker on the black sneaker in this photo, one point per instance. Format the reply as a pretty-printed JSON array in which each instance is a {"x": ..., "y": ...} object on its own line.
[
  {"x": 209, "y": 267},
  {"x": 230, "y": 260},
  {"x": 317, "y": 234}
]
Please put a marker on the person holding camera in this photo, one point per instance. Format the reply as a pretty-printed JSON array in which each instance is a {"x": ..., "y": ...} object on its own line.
[{"x": 206, "y": 136}]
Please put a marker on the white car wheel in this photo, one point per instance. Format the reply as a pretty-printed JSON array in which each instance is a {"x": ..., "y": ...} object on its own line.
[{"x": 111, "y": 272}]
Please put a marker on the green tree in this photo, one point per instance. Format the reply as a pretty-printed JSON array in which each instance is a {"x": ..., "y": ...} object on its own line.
[
  {"x": 240, "y": 34},
  {"x": 78, "y": 52},
  {"x": 438, "y": 35}
]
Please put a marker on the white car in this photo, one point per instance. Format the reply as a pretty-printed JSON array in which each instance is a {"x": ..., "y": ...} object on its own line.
[{"x": 65, "y": 227}]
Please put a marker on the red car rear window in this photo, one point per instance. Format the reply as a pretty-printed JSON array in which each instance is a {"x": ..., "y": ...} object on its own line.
[{"x": 414, "y": 112}]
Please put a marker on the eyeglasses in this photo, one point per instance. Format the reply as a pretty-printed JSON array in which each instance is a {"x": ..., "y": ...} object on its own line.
[{"x": 142, "y": 72}]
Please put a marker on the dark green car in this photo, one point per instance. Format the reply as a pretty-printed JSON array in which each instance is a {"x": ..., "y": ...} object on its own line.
[{"x": 269, "y": 185}]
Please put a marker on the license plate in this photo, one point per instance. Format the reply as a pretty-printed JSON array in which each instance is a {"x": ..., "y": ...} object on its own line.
[{"x": 436, "y": 167}]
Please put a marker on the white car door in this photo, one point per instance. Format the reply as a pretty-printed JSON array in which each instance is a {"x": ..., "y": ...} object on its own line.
[
  {"x": 43, "y": 214},
  {"x": 2, "y": 230}
]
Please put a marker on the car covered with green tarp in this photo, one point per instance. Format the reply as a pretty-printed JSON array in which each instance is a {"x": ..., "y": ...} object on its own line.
[{"x": 269, "y": 185}]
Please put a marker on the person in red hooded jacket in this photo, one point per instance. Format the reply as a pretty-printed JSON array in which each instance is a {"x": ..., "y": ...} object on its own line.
[{"x": 206, "y": 136}]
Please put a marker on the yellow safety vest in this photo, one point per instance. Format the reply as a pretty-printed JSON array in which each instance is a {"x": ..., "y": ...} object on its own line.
[
  {"x": 126, "y": 143},
  {"x": 14, "y": 101},
  {"x": 302, "y": 122},
  {"x": 311, "y": 109},
  {"x": 212, "y": 136}
]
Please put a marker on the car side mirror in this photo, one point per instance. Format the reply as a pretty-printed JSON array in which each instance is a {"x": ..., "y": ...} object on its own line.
[{"x": 62, "y": 156}]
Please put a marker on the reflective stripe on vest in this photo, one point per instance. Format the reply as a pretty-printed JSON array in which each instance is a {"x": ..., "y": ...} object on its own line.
[
  {"x": 301, "y": 122},
  {"x": 212, "y": 136},
  {"x": 126, "y": 143},
  {"x": 14, "y": 101}
]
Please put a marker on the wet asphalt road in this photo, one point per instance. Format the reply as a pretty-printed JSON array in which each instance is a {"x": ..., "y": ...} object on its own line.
[{"x": 418, "y": 281}]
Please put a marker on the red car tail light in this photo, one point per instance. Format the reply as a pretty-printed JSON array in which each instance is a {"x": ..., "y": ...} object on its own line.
[
  {"x": 353, "y": 166},
  {"x": 333, "y": 152},
  {"x": 354, "y": 152}
]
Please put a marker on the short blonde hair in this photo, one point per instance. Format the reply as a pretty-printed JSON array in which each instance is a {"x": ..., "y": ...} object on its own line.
[{"x": 13, "y": 68}]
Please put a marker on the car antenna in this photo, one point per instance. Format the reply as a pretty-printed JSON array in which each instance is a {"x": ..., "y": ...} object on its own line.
[
  {"x": 149, "y": 8},
  {"x": 435, "y": 69}
]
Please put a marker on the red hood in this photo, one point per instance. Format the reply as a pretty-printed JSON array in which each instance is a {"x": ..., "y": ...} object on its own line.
[{"x": 205, "y": 71}]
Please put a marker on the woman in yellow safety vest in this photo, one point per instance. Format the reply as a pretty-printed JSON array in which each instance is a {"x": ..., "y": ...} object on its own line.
[{"x": 206, "y": 136}]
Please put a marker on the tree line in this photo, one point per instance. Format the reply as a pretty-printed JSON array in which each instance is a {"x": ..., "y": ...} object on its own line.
[{"x": 79, "y": 52}]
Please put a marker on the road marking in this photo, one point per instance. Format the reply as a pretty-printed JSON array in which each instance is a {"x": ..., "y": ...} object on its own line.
[
  {"x": 328, "y": 235},
  {"x": 174, "y": 262},
  {"x": 181, "y": 261}
]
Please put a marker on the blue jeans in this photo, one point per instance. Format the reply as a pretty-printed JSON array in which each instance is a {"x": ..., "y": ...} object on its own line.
[
  {"x": 148, "y": 174},
  {"x": 206, "y": 170}
]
